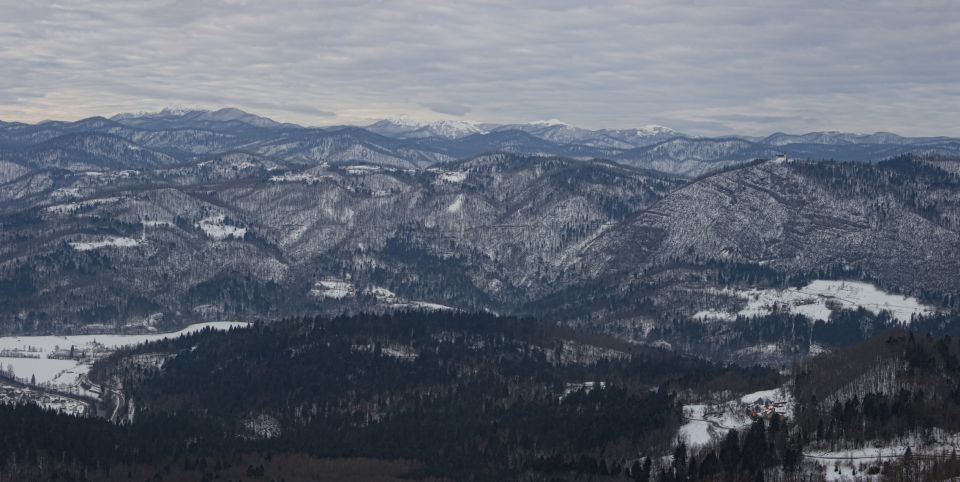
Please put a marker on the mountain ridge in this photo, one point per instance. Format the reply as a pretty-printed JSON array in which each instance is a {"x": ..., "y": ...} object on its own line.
[{"x": 414, "y": 144}]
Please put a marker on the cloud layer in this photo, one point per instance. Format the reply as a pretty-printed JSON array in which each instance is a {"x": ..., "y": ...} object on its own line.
[{"x": 707, "y": 67}]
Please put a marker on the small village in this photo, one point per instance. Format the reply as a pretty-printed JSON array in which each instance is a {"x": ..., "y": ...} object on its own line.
[
  {"x": 16, "y": 394},
  {"x": 765, "y": 408}
]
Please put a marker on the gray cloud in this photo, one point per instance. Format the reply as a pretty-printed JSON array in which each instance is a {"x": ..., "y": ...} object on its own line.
[{"x": 712, "y": 67}]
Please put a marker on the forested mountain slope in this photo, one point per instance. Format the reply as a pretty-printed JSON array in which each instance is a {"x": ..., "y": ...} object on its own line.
[
  {"x": 896, "y": 223},
  {"x": 240, "y": 235}
]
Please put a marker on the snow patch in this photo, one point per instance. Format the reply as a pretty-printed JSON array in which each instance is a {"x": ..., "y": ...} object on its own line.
[
  {"x": 333, "y": 289},
  {"x": 815, "y": 299},
  {"x": 453, "y": 177},
  {"x": 113, "y": 241},
  {"x": 215, "y": 228},
  {"x": 262, "y": 427},
  {"x": 587, "y": 387},
  {"x": 299, "y": 177},
  {"x": 713, "y": 315},
  {"x": 75, "y": 206},
  {"x": 392, "y": 300},
  {"x": 362, "y": 169},
  {"x": 456, "y": 205},
  {"x": 707, "y": 423},
  {"x": 48, "y": 360}
]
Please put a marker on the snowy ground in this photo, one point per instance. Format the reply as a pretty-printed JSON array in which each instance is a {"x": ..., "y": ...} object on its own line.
[
  {"x": 299, "y": 177},
  {"x": 456, "y": 205},
  {"x": 75, "y": 206},
  {"x": 11, "y": 394},
  {"x": 812, "y": 301},
  {"x": 852, "y": 464},
  {"x": 341, "y": 289},
  {"x": 452, "y": 176},
  {"x": 333, "y": 289},
  {"x": 111, "y": 241},
  {"x": 215, "y": 228},
  {"x": 707, "y": 423},
  {"x": 66, "y": 372}
]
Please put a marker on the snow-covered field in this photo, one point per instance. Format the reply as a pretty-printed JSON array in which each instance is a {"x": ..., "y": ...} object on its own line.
[
  {"x": 456, "y": 205},
  {"x": 707, "y": 423},
  {"x": 339, "y": 289},
  {"x": 363, "y": 169},
  {"x": 112, "y": 241},
  {"x": 452, "y": 176},
  {"x": 215, "y": 228},
  {"x": 66, "y": 372},
  {"x": 333, "y": 289},
  {"x": 812, "y": 301},
  {"x": 75, "y": 206},
  {"x": 851, "y": 464},
  {"x": 299, "y": 177}
]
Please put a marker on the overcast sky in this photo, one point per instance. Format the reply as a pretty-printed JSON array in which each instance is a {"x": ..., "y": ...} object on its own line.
[{"x": 700, "y": 66}]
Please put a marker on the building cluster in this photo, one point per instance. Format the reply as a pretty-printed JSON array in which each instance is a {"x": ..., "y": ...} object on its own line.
[
  {"x": 17, "y": 395},
  {"x": 765, "y": 408}
]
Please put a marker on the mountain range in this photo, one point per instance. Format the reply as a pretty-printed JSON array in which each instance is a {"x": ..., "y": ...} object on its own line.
[
  {"x": 174, "y": 136},
  {"x": 150, "y": 221}
]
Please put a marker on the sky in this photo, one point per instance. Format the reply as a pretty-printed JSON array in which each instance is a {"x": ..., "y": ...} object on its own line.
[{"x": 704, "y": 67}]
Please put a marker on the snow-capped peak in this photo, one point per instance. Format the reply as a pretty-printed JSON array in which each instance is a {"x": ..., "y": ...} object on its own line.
[
  {"x": 404, "y": 126},
  {"x": 403, "y": 121},
  {"x": 179, "y": 110},
  {"x": 189, "y": 114},
  {"x": 173, "y": 111},
  {"x": 654, "y": 129},
  {"x": 550, "y": 122}
]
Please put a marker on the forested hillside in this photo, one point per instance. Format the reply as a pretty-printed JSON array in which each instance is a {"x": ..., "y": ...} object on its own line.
[
  {"x": 464, "y": 395},
  {"x": 460, "y": 396}
]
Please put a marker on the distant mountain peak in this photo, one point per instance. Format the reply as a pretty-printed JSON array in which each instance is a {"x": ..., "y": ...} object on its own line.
[
  {"x": 180, "y": 110},
  {"x": 653, "y": 129},
  {"x": 405, "y": 126},
  {"x": 191, "y": 114},
  {"x": 550, "y": 122}
]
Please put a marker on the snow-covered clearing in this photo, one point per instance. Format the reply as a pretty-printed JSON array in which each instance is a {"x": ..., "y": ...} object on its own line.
[
  {"x": 75, "y": 206},
  {"x": 45, "y": 370},
  {"x": 215, "y": 228},
  {"x": 698, "y": 432},
  {"x": 147, "y": 223},
  {"x": 707, "y": 423},
  {"x": 391, "y": 299},
  {"x": 851, "y": 464},
  {"x": 333, "y": 289},
  {"x": 112, "y": 241},
  {"x": 454, "y": 177},
  {"x": 67, "y": 371},
  {"x": 713, "y": 315},
  {"x": 424, "y": 305},
  {"x": 456, "y": 205},
  {"x": 363, "y": 169},
  {"x": 815, "y": 299},
  {"x": 299, "y": 177},
  {"x": 400, "y": 352}
]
